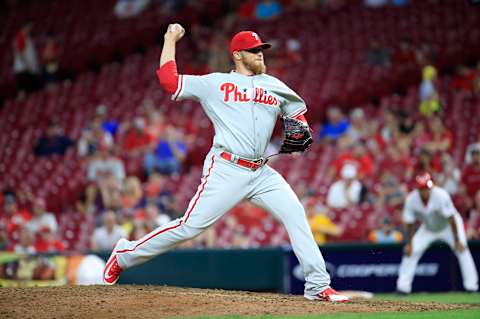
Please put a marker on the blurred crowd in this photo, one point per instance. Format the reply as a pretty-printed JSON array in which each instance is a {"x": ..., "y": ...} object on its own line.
[{"x": 377, "y": 155}]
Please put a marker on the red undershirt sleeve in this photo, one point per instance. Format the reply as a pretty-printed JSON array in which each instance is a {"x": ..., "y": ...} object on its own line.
[
  {"x": 301, "y": 118},
  {"x": 168, "y": 76}
]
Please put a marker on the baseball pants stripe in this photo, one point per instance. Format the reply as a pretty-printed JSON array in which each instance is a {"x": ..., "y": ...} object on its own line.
[{"x": 228, "y": 184}]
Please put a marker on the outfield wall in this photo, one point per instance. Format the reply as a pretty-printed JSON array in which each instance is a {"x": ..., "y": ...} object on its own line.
[{"x": 352, "y": 266}]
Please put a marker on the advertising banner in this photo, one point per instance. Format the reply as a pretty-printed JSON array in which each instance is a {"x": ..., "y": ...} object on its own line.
[
  {"x": 20, "y": 270},
  {"x": 374, "y": 268}
]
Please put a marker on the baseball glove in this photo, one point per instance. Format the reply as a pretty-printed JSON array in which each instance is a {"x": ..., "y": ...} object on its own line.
[{"x": 297, "y": 136}]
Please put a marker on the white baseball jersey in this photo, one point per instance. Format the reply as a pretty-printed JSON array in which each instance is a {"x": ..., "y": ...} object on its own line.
[
  {"x": 434, "y": 214},
  {"x": 434, "y": 217},
  {"x": 243, "y": 110},
  {"x": 227, "y": 99}
]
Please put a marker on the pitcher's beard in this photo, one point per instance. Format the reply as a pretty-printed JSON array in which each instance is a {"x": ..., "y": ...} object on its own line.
[{"x": 257, "y": 68}]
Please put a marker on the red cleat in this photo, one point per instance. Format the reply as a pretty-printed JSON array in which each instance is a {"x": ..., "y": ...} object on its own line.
[
  {"x": 112, "y": 270},
  {"x": 330, "y": 295}
]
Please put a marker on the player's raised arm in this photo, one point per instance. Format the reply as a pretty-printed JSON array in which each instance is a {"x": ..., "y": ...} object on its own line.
[
  {"x": 181, "y": 86},
  {"x": 174, "y": 33},
  {"x": 167, "y": 72}
]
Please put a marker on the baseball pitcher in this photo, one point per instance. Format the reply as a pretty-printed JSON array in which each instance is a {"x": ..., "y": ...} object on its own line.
[
  {"x": 243, "y": 106},
  {"x": 433, "y": 207}
]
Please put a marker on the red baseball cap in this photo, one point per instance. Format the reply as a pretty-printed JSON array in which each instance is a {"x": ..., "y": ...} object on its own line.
[
  {"x": 246, "y": 40},
  {"x": 424, "y": 181}
]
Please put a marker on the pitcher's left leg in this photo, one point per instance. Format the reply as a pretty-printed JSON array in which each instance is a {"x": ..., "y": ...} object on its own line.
[{"x": 274, "y": 194}]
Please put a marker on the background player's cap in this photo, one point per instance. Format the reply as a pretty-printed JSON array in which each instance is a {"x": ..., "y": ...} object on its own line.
[
  {"x": 246, "y": 40},
  {"x": 424, "y": 181}
]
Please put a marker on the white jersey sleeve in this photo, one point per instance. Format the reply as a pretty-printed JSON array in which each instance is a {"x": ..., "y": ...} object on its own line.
[
  {"x": 408, "y": 216},
  {"x": 292, "y": 104},
  {"x": 447, "y": 209},
  {"x": 195, "y": 87}
]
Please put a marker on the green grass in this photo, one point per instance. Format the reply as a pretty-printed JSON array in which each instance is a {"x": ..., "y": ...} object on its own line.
[
  {"x": 458, "y": 314},
  {"x": 451, "y": 297}
]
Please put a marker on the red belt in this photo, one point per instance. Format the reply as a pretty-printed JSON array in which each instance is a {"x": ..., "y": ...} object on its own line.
[{"x": 254, "y": 165}]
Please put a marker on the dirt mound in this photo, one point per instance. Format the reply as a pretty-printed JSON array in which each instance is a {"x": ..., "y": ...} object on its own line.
[{"x": 156, "y": 302}]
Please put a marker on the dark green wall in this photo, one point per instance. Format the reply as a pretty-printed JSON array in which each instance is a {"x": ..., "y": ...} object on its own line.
[{"x": 240, "y": 269}]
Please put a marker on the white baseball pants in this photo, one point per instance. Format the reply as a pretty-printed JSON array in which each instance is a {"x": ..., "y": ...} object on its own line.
[
  {"x": 422, "y": 239},
  {"x": 223, "y": 185}
]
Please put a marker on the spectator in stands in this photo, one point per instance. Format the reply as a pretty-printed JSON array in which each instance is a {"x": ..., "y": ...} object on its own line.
[
  {"x": 47, "y": 242},
  {"x": 426, "y": 163},
  {"x": 320, "y": 224},
  {"x": 420, "y": 136},
  {"x": 359, "y": 127},
  {"x": 108, "y": 125},
  {"x": 472, "y": 146},
  {"x": 41, "y": 218},
  {"x": 105, "y": 237},
  {"x": 375, "y": 3},
  {"x": 132, "y": 192},
  {"x": 429, "y": 98},
  {"x": 94, "y": 137},
  {"x": 246, "y": 9},
  {"x": 399, "y": 164},
  {"x": 153, "y": 190},
  {"x": 389, "y": 128},
  {"x": 391, "y": 190},
  {"x": 13, "y": 217},
  {"x": 169, "y": 205},
  {"x": 4, "y": 242},
  {"x": 292, "y": 54},
  {"x": 346, "y": 191},
  {"x": 26, "y": 244},
  {"x": 268, "y": 9},
  {"x": 25, "y": 66},
  {"x": 450, "y": 176},
  {"x": 137, "y": 230},
  {"x": 408, "y": 130},
  {"x": 464, "y": 79},
  {"x": 109, "y": 194},
  {"x": 336, "y": 126},
  {"x": 137, "y": 141},
  {"x": 53, "y": 143},
  {"x": 129, "y": 8},
  {"x": 386, "y": 234},
  {"x": 400, "y": 3},
  {"x": 50, "y": 59},
  {"x": 471, "y": 180},
  {"x": 155, "y": 124},
  {"x": 85, "y": 204},
  {"x": 233, "y": 233},
  {"x": 356, "y": 155},
  {"x": 208, "y": 239},
  {"x": 152, "y": 217},
  {"x": 168, "y": 155},
  {"x": 439, "y": 138},
  {"x": 378, "y": 55},
  {"x": 156, "y": 193},
  {"x": 105, "y": 164}
]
